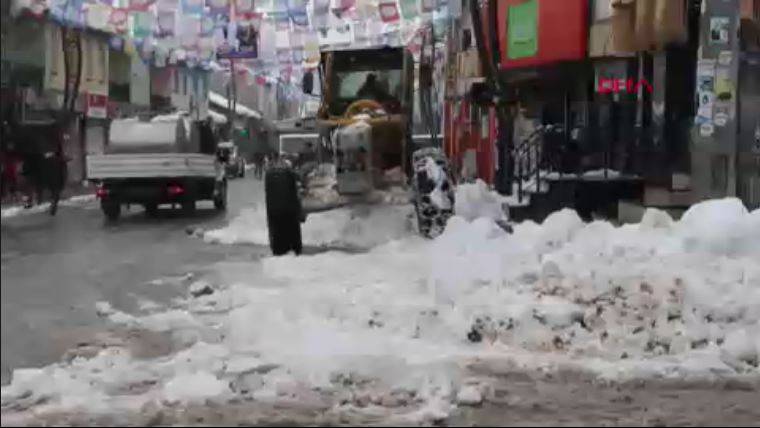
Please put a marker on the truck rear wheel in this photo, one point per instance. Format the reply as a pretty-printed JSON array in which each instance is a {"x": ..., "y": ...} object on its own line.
[
  {"x": 111, "y": 209},
  {"x": 188, "y": 207},
  {"x": 283, "y": 211},
  {"x": 151, "y": 209}
]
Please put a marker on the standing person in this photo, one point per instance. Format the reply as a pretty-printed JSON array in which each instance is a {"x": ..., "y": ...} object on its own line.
[
  {"x": 31, "y": 173},
  {"x": 258, "y": 160},
  {"x": 56, "y": 172}
]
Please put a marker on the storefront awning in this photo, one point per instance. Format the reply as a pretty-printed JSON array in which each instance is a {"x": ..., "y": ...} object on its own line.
[{"x": 221, "y": 101}]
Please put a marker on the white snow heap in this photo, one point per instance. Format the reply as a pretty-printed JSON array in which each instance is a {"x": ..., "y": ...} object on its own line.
[
  {"x": 437, "y": 175},
  {"x": 721, "y": 226},
  {"x": 474, "y": 200},
  {"x": 360, "y": 227},
  {"x": 661, "y": 298}
]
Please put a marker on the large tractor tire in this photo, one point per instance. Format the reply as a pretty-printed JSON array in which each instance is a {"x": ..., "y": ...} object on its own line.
[
  {"x": 433, "y": 192},
  {"x": 283, "y": 210}
]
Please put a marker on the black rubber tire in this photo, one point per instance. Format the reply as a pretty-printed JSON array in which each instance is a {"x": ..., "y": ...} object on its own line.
[
  {"x": 283, "y": 211},
  {"x": 188, "y": 207},
  {"x": 151, "y": 209},
  {"x": 111, "y": 209},
  {"x": 431, "y": 220},
  {"x": 220, "y": 200},
  {"x": 241, "y": 174}
]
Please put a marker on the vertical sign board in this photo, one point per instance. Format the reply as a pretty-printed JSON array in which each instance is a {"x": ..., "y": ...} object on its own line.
[
  {"x": 715, "y": 127},
  {"x": 522, "y": 28},
  {"x": 539, "y": 32},
  {"x": 97, "y": 106}
]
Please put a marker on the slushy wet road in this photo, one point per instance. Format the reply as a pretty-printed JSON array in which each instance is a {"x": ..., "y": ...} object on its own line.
[{"x": 55, "y": 269}]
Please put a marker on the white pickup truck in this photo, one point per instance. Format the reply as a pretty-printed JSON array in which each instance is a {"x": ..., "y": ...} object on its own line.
[{"x": 161, "y": 161}]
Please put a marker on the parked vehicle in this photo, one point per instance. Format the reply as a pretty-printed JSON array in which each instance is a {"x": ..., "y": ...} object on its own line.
[
  {"x": 154, "y": 162},
  {"x": 234, "y": 164}
]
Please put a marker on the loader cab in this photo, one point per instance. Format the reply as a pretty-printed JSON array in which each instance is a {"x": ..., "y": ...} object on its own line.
[{"x": 384, "y": 75}]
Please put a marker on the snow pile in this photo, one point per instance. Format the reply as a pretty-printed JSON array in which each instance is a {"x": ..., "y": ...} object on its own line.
[
  {"x": 360, "y": 226},
  {"x": 322, "y": 185},
  {"x": 74, "y": 201},
  {"x": 475, "y": 200},
  {"x": 721, "y": 227},
  {"x": 600, "y": 173},
  {"x": 657, "y": 298}
]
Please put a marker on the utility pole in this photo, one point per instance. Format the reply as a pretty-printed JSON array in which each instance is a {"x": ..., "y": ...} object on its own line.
[{"x": 498, "y": 90}]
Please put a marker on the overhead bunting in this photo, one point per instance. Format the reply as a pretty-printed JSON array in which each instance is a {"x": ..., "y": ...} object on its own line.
[
  {"x": 389, "y": 11},
  {"x": 140, "y": 5},
  {"x": 409, "y": 8},
  {"x": 142, "y": 24},
  {"x": 297, "y": 12},
  {"x": 119, "y": 20},
  {"x": 68, "y": 12},
  {"x": 241, "y": 42},
  {"x": 208, "y": 25},
  {"x": 244, "y": 9},
  {"x": 167, "y": 6},
  {"x": 268, "y": 41},
  {"x": 218, "y": 7},
  {"x": 341, "y": 6},
  {"x": 167, "y": 24},
  {"x": 98, "y": 16},
  {"x": 192, "y": 7}
]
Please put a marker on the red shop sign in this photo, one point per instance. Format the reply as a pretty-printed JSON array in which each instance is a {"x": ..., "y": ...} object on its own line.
[
  {"x": 561, "y": 31},
  {"x": 97, "y": 106}
]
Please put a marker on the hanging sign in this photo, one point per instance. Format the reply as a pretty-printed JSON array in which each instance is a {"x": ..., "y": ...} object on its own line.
[
  {"x": 142, "y": 24},
  {"x": 388, "y": 11},
  {"x": 140, "y": 5},
  {"x": 68, "y": 12},
  {"x": 218, "y": 7},
  {"x": 244, "y": 9},
  {"x": 97, "y": 106},
  {"x": 242, "y": 42},
  {"x": 167, "y": 6},
  {"x": 98, "y": 16},
  {"x": 119, "y": 20},
  {"x": 409, "y": 9},
  {"x": 192, "y": 7},
  {"x": 167, "y": 22}
]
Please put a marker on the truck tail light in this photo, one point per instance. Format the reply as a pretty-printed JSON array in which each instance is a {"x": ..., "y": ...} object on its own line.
[
  {"x": 175, "y": 190},
  {"x": 101, "y": 192}
]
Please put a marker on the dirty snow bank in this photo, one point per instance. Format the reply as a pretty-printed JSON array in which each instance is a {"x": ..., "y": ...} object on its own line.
[
  {"x": 360, "y": 226},
  {"x": 74, "y": 201},
  {"x": 661, "y": 298}
]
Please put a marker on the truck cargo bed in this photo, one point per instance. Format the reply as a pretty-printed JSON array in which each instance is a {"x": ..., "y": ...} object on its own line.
[{"x": 150, "y": 165}]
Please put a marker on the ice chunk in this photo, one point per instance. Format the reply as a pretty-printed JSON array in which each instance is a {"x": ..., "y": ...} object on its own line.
[
  {"x": 470, "y": 395},
  {"x": 193, "y": 387},
  {"x": 739, "y": 344}
]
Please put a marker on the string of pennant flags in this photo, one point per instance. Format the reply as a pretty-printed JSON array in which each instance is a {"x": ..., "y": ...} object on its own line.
[{"x": 270, "y": 36}]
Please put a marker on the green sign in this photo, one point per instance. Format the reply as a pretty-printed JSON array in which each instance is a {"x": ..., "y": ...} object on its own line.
[
  {"x": 142, "y": 25},
  {"x": 409, "y": 8},
  {"x": 522, "y": 30}
]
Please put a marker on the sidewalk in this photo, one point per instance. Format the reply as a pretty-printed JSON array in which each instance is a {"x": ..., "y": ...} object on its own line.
[{"x": 73, "y": 194}]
